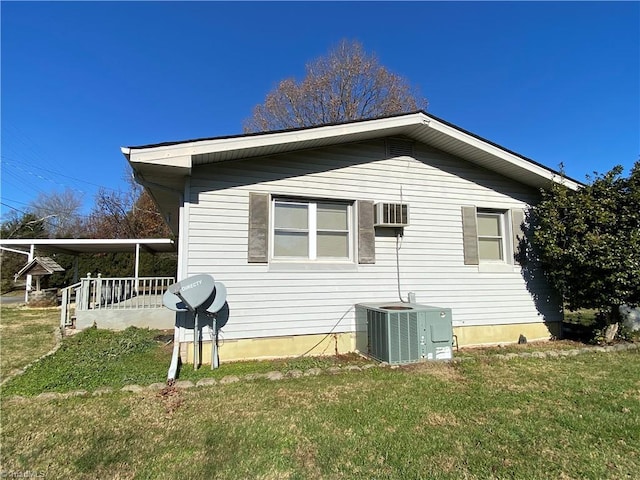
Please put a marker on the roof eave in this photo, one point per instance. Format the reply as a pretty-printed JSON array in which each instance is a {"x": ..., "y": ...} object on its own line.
[{"x": 180, "y": 157}]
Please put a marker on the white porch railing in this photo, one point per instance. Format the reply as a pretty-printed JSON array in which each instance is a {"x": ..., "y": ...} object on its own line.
[{"x": 112, "y": 294}]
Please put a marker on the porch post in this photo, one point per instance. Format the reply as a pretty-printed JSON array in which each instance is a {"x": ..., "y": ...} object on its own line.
[
  {"x": 29, "y": 285},
  {"x": 137, "y": 271}
]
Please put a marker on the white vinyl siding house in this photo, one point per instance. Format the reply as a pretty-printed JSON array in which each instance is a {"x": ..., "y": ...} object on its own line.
[
  {"x": 312, "y": 295},
  {"x": 291, "y": 235}
]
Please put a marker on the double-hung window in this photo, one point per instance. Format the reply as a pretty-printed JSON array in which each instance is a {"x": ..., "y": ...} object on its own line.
[
  {"x": 312, "y": 230},
  {"x": 491, "y": 236}
]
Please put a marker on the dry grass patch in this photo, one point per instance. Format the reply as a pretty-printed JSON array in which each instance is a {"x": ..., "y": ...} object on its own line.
[
  {"x": 25, "y": 335},
  {"x": 442, "y": 371}
]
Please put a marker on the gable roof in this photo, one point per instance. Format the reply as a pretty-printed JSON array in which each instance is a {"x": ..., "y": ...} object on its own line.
[
  {"x": 44, "y": 265},
  {"x": 162, "y": 167}
]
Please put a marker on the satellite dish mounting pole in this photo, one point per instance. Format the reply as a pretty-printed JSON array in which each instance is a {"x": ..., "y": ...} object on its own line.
[
  {"x": 196, "y": 336},
  {"x": 196, "y": 342},
  {"x": 214, "y": 345}
]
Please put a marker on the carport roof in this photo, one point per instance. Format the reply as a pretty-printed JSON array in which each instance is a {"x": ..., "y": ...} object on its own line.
[{"x": 77, "y": 246}]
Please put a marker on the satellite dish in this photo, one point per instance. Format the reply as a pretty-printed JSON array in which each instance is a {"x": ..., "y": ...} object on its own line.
[
  {"x": 199, "y": 294},
  {"x": 189, "y": 294},
  {"x": 172, "y": 302},
  {"x": 219, "y": 298},
  {"x": 222, "y": 316}
]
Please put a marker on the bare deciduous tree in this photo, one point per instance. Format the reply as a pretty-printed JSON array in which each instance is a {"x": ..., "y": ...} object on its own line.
[
  {"x": 128, "y": 214},
  {"x": 61, "y": 211},
  {"x": 347, "y": 84}
]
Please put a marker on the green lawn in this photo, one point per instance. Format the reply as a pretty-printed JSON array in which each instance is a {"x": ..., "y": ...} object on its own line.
[{"x": 526, "y": 418}]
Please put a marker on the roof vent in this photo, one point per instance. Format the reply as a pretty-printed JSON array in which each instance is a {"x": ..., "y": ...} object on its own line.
[{"x": 399, "y": 148}]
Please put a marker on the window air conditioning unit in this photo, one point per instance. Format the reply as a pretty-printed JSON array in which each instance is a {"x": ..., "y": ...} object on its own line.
[{"x": 391, "y": 215}]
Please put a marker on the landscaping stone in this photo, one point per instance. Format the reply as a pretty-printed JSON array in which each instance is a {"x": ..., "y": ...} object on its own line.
[
  {"x": 295, "y": 373},
  {"x": 368, "y": 366},
  {"x": 183, "y": 384},
  {"x": 334, "y": 370},
  {"x": 101, "y": 391},
  {"x": 313, "y": 372},
  {"x": 353, "y": 368},
  {"x": 274, "y": 376},
  {"x": 229, "y": 379},
  {"x": 206, "y": 382},
  {"x": 254, "y": 376},
  {"x": 49, "y": 396},
  {"x": 132, "y": 388},
  {"x": 509, "y": 356},
  {"x": 467, "y": 359},
  {"x": 539, "y": 354},
  {"x": 77, "y": 393},
  {"x": 157, "y": 386}
]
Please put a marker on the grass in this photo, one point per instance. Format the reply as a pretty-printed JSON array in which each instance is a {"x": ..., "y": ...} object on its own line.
[
  {"x": 527, "y": 418},
  {"x": 578, "y": 417},
  {"x": 25, "y": 335},
  {"x": 97, "y": 358}
]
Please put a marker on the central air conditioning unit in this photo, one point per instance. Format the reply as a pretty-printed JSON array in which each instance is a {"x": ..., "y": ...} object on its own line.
[
  {"x": 391, "y": 215},
  {"x": 399, "y": 333}
]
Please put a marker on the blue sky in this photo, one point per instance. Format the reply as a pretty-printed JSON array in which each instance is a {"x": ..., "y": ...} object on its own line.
[{"x": 554, "y": 81}]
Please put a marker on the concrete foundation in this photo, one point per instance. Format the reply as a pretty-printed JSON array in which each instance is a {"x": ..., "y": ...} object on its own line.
[
  {"x": 340, "y": 343},
  {"x": 114, "y": 319}
]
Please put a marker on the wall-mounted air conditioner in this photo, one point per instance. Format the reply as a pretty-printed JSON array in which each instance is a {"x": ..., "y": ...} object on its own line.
[{"x": 391, "y": 215}]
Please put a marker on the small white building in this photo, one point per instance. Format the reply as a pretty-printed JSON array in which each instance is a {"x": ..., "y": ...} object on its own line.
[{"x": 292, "y": 223}]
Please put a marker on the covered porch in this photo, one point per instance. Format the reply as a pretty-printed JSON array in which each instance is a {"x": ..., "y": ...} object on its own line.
[{"x": 114, "y": 303}]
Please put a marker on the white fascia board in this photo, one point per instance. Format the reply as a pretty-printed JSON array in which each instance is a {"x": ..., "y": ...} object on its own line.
[
  {"x": 85, "y": 241},
  {"x": 165, "y": 157},
  {"x": 169, "y": 154},
  {"x": 502, "y": 154}
]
